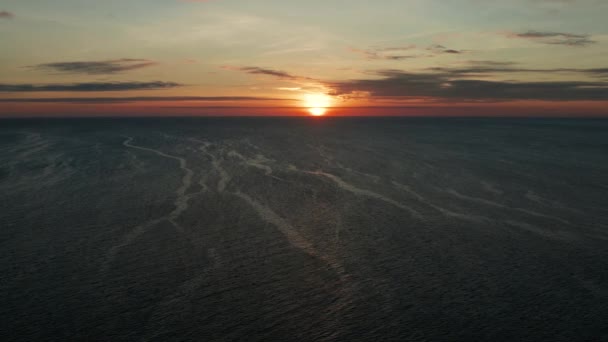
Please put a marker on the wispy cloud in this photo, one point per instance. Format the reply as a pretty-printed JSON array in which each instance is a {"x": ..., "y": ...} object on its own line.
[
  {"x": 304, "y": 84},
  {"x": 387, "y": 53},
  {"x": 6, "y": 15},
  {"x": 268, "y": 72},
  {"x": 87, "y": 87},
  {"x": 96, "y": 67},
  {"x": 396, "y": 53},
  {"x": 263, "y": 71},
  {"x": 555, "y": 38},
  {"x": 440, "y": 49},
  {"x": 290, "y": 88}
]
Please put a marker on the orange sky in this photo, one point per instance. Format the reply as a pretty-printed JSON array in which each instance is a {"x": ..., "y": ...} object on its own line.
[
  {"x": 520, "y": 108},
  {"x": 237, "y": 57}
]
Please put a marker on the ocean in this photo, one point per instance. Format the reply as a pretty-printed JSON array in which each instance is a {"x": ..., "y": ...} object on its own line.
[{"x": 304, "y": 229}]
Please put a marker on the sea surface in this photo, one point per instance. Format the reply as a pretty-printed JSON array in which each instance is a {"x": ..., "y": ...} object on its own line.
[{"x": 304, "y": 229}]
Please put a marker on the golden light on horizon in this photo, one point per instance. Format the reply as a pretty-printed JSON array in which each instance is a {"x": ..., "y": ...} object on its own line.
[
  {"x": 317, "y": 111},
  {"x": 317, "y": 104}
]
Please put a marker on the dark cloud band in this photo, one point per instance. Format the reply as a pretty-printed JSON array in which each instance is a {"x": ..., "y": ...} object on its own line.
[
  {"x": 443, "y": 86},
  {"x": 87, "y": 87},
  {"x": 108, "y": 100},
  {"x": 556, "y": 38},
  {"x": 96, "y": 67}
]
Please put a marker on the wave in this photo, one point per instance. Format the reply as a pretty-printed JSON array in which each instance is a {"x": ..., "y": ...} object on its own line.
[
  {"x": 363, "y": 192},
  {"x": 503, "y": 206},
  {"x": 181, "y": 204}
]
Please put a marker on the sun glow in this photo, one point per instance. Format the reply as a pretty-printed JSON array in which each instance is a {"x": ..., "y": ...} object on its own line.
[
  {"x": 316, "y": 111},
  {"x": 317, "y": 104}
]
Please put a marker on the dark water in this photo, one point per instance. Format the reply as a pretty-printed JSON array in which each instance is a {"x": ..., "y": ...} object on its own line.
[{"x": 304, "y": 230}]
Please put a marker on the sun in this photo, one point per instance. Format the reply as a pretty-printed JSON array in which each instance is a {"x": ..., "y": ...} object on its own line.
[
  {"x": 317, "y": 104},
  {"x": 317, "y": 111}
]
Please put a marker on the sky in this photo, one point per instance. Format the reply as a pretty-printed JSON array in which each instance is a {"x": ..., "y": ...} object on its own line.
[{"x": 314, "y": 57}]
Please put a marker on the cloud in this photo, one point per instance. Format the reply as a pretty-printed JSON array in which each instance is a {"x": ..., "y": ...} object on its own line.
[
  {"x": 94, "y": 100},
  {"x": 440, "y": 49},
  {"x": 555, "y": 38},
  {"x": 496, "y": 67},
  {"x": 457, "y": 84},
  {"x": 443, "y": 86},
  {"x": 282, "y": 75},
  {"x": 386, "y": 53},
  {"x": 404, "y": 52},
  {"x": 87, "y": 87},
  {"x": 6, "y": 15},
  {"x": 263, "y": 71},
  {"x": 290, "y": 88},
  {"x": 97, "y": 67}
]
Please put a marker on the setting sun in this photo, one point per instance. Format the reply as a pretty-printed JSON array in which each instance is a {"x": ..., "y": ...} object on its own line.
[
  {"x": 317, "y": 104},
  {"x": 317, "y": 111}
]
